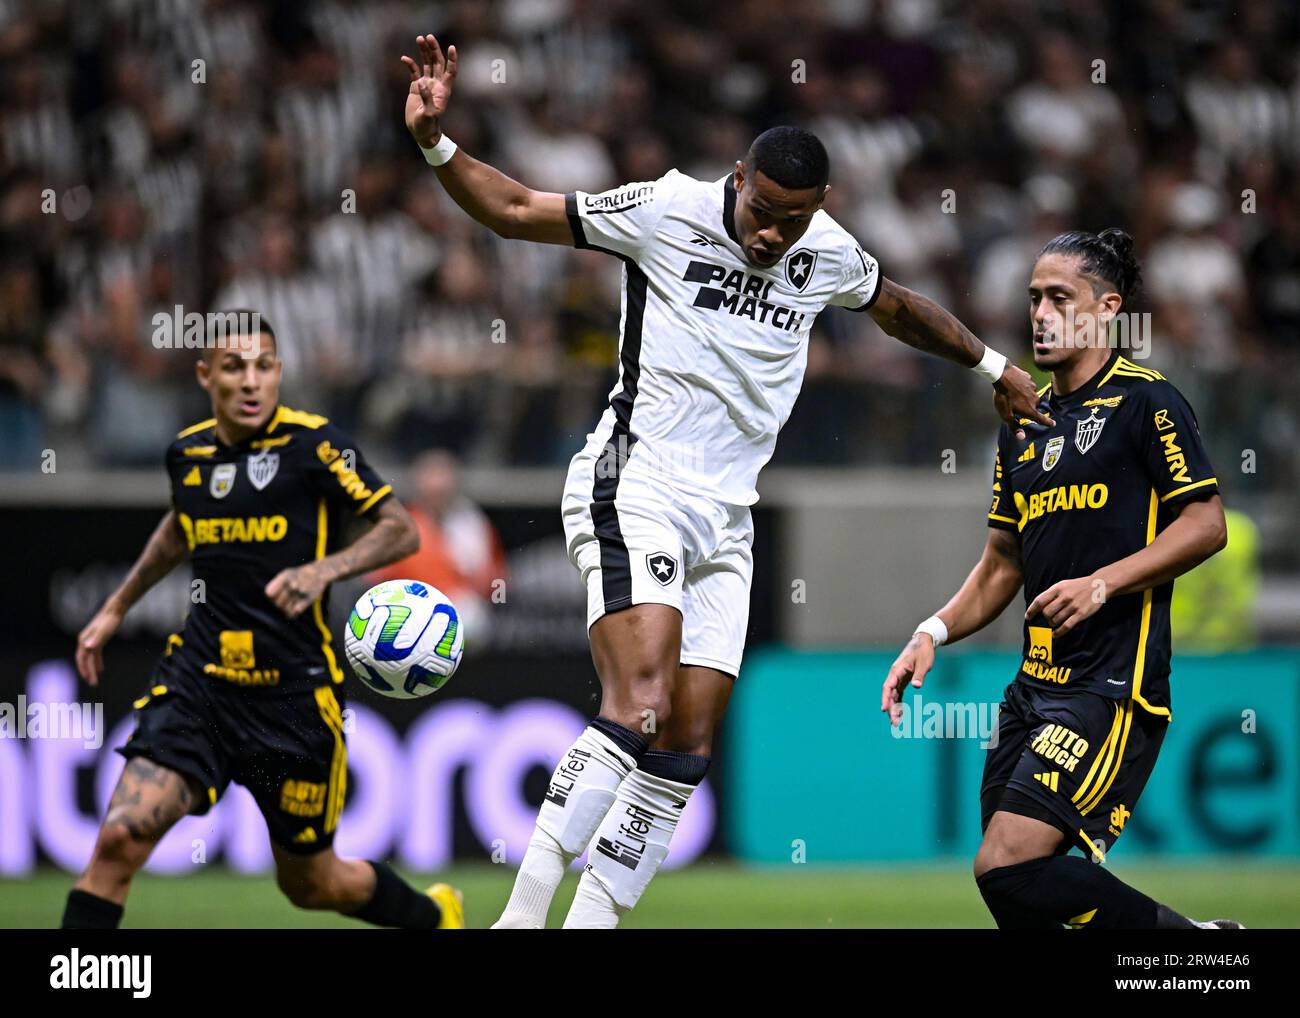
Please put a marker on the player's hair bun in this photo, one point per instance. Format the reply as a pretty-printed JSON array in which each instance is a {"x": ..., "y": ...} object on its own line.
[
  {"x": 1108, "y": 255},
  {"x": 1129, "y": 272},
  {"x": 1114, "y": 237}
]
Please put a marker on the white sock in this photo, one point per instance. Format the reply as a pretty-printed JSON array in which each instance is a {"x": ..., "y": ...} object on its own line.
[
  {"x": 628, "y": 849},
  {"x": 592, "y": 908},
  {"x": 581, "y": 792}
]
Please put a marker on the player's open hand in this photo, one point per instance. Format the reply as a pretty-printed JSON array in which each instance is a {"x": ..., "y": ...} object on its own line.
[
  {"x": 1068, "y": 602},
  {"x": 1016, "y": 398},
  {"x": 430, "y": 92},
  {"x": 911, "y": 666},
  {"x": 293, "y": 590},
  {"x": 91, "y": 641}
]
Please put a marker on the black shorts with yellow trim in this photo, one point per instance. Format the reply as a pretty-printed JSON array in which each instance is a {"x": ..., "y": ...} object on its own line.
[
  {"x": 287, "y": 749},
  {"x": 1076, "y": 760}
]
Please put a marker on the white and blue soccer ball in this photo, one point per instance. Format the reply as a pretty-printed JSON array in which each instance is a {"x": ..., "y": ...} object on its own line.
[{"x": 404, "y": 639}]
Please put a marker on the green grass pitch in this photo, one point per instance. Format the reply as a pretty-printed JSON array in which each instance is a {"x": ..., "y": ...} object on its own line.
[{"x": 708, "y": 894}]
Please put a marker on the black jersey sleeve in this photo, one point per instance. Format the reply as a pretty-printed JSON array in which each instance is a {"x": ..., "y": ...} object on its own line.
[
  {"x": 169, "y": 457},
  {"x": 337, "y": 470},
  {"x": 1171, "y": 446},
  {"x": 1003, "y": 513}
]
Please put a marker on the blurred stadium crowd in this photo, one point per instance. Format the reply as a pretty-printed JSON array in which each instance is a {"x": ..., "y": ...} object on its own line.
[{"x": 232, "y": 153}]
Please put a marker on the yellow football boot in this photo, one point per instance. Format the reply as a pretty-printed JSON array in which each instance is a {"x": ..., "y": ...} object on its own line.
[{"x": 452, "y": 903}]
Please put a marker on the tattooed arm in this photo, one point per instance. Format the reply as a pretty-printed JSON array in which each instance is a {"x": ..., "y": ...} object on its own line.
[
  {"x": 394, "y": 536},
  {"x": 924, "y": 325}
]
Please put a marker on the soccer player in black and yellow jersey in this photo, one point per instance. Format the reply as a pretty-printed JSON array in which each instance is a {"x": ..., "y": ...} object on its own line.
[
  {"x": 1095, "y": 516},
  {"x": 249, "y": 691}
]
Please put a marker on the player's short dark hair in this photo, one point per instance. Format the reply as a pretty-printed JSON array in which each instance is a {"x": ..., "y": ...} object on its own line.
[
  {"x": 1106, "y": 256},
  {"x": 791, "y": 157},
  {"x": 235, "y": 322}
]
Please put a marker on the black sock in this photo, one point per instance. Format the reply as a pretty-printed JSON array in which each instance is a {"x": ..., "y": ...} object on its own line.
[
  {"x": 1008, "y": 913},
  {"x": 86, "y": 911},
  {"x": 1065, "y": 889},
  {"x": 684, "y": 768},
  {"x": 624, "y": 738},
  {"x": 397, "y": 903}
]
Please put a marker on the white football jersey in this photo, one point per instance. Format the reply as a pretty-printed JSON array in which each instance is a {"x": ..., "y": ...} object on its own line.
[{"x": 712, "y": 349}]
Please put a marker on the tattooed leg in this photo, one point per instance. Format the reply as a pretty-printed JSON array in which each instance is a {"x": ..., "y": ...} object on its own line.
[{"x": 148, "y": 800}]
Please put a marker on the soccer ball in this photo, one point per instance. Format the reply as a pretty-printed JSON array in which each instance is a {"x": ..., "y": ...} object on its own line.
[{"x": 404, "y": 639}]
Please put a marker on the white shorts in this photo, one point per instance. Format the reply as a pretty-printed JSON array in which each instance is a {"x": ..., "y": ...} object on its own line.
[{"x": 639, "y": 540}]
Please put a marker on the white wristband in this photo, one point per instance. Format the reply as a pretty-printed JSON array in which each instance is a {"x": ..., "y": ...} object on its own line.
[
  {"x": 440, "y": 153},
  {"x": 935, "y": 629},
  {"x": 991, "y": 365}
]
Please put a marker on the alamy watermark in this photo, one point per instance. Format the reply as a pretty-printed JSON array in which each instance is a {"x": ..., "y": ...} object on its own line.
[
  {"x": 1127, "y": 330},
  {"x": 947, "y": 720},
  {"x": 37, "y": 719},
  {"x": 617, "y": 457},
  {"x": 77, "y": 971},
  {"x": 179, "y": 329}
]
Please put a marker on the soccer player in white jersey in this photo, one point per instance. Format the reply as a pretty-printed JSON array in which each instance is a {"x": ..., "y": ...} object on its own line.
[{"x": 721, "y": 283}]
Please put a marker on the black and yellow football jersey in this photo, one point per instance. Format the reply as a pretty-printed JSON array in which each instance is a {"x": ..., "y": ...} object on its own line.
[
  {"x": 1097, "y": 487},
  {"x": 248, "y": 511}
]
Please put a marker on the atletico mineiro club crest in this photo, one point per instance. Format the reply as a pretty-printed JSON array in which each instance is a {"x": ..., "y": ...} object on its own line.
[
  {"x": 262, "y": 468},
  {"x": 1087, "y": 431}
]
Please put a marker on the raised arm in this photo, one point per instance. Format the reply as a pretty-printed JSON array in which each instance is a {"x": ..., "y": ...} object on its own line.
[
  {"x": 988, "y": 589},
  {"x": 164, "y": 551},
  {"x": 921, "y": 323},
  {"x": 505, "y": 206}
]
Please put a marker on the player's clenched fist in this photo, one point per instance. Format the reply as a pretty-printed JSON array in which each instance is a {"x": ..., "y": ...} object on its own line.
[
  {"x": 912, "y": 665},
  {"x": 431, "y": 81}
]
